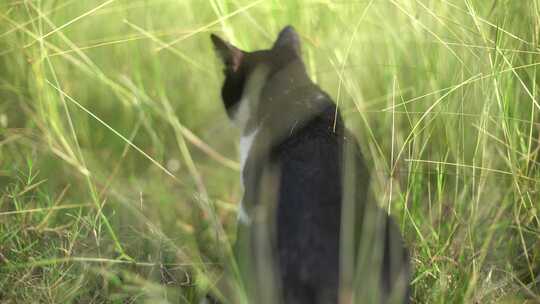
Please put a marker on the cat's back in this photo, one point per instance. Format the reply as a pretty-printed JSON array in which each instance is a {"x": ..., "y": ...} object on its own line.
[
  {"x": 310, "y": 151},
  {"x": 309, "y": 204}
]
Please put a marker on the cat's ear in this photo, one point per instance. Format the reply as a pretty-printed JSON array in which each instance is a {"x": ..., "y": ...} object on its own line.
[
  {"x": 288, "y": 38},
  {"x": 229, "y": 54}
]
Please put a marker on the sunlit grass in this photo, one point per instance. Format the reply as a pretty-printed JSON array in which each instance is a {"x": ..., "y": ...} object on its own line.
[{"x": 118, "y": 172}]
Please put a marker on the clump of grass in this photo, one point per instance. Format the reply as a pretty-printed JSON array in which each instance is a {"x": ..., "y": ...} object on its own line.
[{"x": 118, "y": 176}]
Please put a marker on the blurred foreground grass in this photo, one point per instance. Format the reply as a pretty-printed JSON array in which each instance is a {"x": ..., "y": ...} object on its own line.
[{"x": 118, "y": 173}]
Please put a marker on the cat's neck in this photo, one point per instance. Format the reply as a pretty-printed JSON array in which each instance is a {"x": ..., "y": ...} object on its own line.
[
  {"x": 287, "y": 82},
  {"x": 287, "y": 102},
  {"x": 284, "y": 93}
]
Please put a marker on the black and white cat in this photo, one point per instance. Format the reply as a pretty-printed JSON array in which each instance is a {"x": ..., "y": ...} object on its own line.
[{"x": 306, "y": 231}]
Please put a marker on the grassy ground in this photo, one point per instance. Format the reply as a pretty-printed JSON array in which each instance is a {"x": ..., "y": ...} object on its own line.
[{"x": 118, "y": 172}]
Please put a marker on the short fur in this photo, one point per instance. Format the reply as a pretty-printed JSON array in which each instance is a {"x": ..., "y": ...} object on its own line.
[{"x": 298, "y": 159}]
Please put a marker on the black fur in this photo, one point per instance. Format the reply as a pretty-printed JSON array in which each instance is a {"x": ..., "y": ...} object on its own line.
[{"x": 295, "y": 178}]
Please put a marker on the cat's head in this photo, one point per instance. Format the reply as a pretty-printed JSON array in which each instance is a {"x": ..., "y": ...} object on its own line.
[{"x": 246, "y": 73}]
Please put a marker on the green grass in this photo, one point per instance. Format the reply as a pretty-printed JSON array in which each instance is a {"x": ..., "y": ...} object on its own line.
[{"x": 118, "y": 172}]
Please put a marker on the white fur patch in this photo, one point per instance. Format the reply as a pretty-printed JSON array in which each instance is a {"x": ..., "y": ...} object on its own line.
[
  {"x": 243, "y": 113},
  {"x": 250, "y": 96},
  {"x": 248, "y": 102},
  {"x": 246, "y": 141},
  {"x": 242, "y": 215}
]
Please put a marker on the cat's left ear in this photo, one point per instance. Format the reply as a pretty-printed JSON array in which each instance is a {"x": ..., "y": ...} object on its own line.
[
  {"x": 229, "y": 54},
  {"x": 288, "y": 38}
]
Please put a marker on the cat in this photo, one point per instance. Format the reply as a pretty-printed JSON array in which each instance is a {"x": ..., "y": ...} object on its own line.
[{"x": 306, "y": 211}]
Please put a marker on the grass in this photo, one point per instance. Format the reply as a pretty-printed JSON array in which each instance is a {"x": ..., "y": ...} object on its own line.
[{"x": 118, "y": 171}]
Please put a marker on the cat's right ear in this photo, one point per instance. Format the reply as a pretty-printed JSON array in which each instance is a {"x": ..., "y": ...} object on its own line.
[
  {"x": 229, "y": 54},
  {"x": 288, "y": 38}
]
